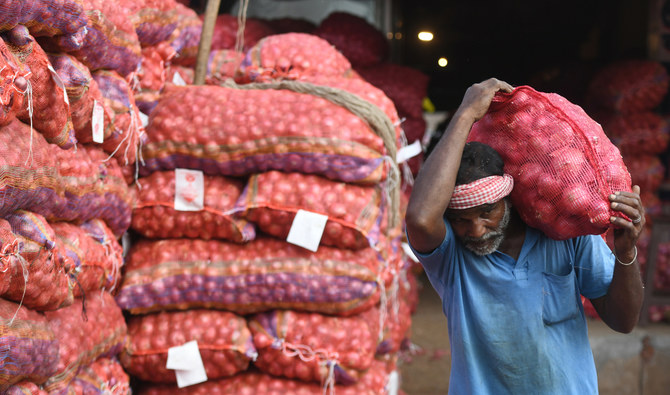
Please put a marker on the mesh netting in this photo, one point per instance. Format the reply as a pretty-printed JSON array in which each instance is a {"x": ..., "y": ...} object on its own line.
[
  {"x": 247, "y": 131},
  {"x": 186, "y": 37},
  {"x": 302, "y": 345},
  {"x": 291, "y": 56},
  {"x": 563, "y": 164},
  {"x": 38, "y": 277},
  {"x": 105, "y": 376},
  {"x": 355, "y": 212},
  {"x": 154, "y": 20},
  {"x": 257, "y": 276},
  {"x": 373, "y": 382},
  {"x": 83, "y": 94},
  {"x": 48, "y": 109},
  {"x": 96, "y": 265},
  {"x": 28, "y": 347},
  {"x": 86, "y": 330},
  {"x": 154, "y": 215},
  {"x": 43, "y": 17},
  {"x": 362, "y": 43},
  {"x": 14, "y": 77},
  {"x": 638, "y": 133},
  {"x": 629, "y": 86},
  {"x": 25, "y": 388},
  {"x": 646, "y": 171},
  {"x": 224, "y": 341}
]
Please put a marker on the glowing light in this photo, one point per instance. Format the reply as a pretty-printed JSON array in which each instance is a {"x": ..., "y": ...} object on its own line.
[
  {"x": 425, "y": 36},
  {"x": 398, "y": 36},
  {"x": 442, "y": 62}
]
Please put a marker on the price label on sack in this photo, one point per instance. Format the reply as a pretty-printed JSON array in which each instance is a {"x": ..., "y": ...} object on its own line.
[
  {"x": 97, "y": 122},
  {"x": 189, "y": 190},
  {"x": 307, "y": 229},
  {"x": 59, "y": 83},
  {"x": 186, "y": 361},
  {"x": 144, "y": 118},
  {"x": 178, "y": 80},
  {"x": 409, "y": 152},
  {"x": 408, "y": 251}
]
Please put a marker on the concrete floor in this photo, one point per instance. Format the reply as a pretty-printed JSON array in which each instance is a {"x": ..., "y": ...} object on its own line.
[{"x": 634, "y": 364}]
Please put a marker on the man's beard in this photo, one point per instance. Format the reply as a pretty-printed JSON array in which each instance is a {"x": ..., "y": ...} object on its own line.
[{"x": 490, "y": 241}]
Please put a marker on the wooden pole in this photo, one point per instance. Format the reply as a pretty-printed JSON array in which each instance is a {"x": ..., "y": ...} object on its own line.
[{"x": 204, "y": 47}]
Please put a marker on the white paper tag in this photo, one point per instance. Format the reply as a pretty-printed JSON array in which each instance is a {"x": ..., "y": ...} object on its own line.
[
  {"x": 409, "y": 151},
  {"x": 144, "y": 118},
  {"x": 409, "y": 252},
  {"x": 97, "y": 123},
  {"x": 189, "y": 190},
  {"x": 307, "y": 229},
  {"x": 393, "y": 383},
  {"x": 186, "y": 361},
  {"x": 178, "y": 80},
  {"x": 59, "y": 82}
]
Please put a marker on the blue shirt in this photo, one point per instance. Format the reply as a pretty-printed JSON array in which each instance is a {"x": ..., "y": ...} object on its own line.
[{"x": 518, "y": 327}]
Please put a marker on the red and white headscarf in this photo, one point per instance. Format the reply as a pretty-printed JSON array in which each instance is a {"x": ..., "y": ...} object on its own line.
[{"x": 486, "y": 190}]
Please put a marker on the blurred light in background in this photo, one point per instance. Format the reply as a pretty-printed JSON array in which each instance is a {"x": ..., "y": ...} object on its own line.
[
  {"x": 442, "y": 62},
  {"x": 425, "y": 36}
]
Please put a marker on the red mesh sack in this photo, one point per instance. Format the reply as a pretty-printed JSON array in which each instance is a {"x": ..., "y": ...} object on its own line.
[
  {"x": 303, "y": 346},
  {"x": 124, "y": 141},
  {"x": 38, "y": 276},
  {"x": 225, "y": 32},
  {"x": 638, "y": 133},
  {"x": 355, "y": 212},
  {"x": 96, "y": 265},
  {"x": 361, "y": 43},
  {"x": 291, "y": 25},
  {"x": 87, "y": 330},
  {"x": 261, "y": 275},
  {"x": 104, "y": 376},
  {"x": 110, "y": 41},
  {"x": 646, "y": 171},
  {"x": 628, "y": 86},
  {"x": 155, "y": 60},
  {"x": 185, "y": 38},
  {"x": 14, "y": 77},
  {"x": 245, "y": 131},
  {"x": 222, "y": 65},
  {"x": 224, "y": 341},
  {"x": 154, "y": 20},
  {"x": 28, "y": 347},
  {"x": 373, "y": 382},
  {"x": 25, "y": 388},
  {"x": 48, "y": 107},
  {"x": 405, "y": 85},
  {"x": 84, "y": 95},
  {"x": 563, "y": 164},
  {"x": 154, "y": 215},
  {"x": 44, "y": 17},
  {"x": 291, "y": 56}
]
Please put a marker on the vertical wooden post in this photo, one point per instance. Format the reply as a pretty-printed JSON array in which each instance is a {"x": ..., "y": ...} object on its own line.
[{"x": 204, "y": 47}]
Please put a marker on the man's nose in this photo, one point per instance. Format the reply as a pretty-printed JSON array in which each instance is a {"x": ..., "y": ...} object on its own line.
[{"x": 477, "y": 228}]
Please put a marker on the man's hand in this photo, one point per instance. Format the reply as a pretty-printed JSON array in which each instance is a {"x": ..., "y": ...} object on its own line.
[
  {"x": 627, "y": 231},
  {"x": 477, "y": 98}
]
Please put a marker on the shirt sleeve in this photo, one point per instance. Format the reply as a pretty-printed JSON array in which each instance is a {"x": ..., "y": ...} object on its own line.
[
  {"x": 594, "y": 266},
  {"x": 437, "y": 263}
]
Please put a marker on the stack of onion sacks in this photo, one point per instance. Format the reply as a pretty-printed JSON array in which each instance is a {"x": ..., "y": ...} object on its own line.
[{"x": 563, "y": 164}]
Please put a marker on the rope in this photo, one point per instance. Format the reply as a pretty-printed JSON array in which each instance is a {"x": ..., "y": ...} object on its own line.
[
  {"x": 241, "y": 24},
  {"x": 371, "y": 114},
  {"x": 307, "y": 354}
]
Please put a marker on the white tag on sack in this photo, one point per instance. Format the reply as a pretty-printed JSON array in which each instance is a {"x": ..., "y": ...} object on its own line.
[
  {"x": 307, "y": 229},
  {"x": 408, "y": 251},
  {"x": 393, "y": 383},
  {"x": 186, "y": 361},
  {"x": 189, "y": 190},
  {"x": 144, "y": 118},
  {"x": 408, "y": 152},
  {"x": 97, "y": 123},
  {"x": 178, "y": 80},
  {"x": 59, "y": 82}
]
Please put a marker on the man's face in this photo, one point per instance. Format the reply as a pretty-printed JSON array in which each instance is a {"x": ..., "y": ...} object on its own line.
[{"x": 481, "y": 229}]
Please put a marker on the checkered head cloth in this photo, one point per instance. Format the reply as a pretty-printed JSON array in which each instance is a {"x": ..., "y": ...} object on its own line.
[{"x": 486, "y": 190}]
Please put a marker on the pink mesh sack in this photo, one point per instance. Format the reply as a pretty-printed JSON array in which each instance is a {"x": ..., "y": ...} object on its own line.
[
  {"x": 563, "y": 164},
  {"x": 44, "y": 17},
  {"x": 629, "y": 86},
  {"x": 185, "y": 38},
  {"x": 87, "y": 330},
  {"x": 25, "y": 388},
  {"x": 224, "y": 341},
  {"x": 14, "y": 77},
  {"x": 355, "y": 212},
  {"x": 646, "y": 171},
  {"x": 155, "y": 216},
  {"x": 262, "y": 275},
  {"x": 48, "y": 108},
  {"x": 154, "y": 20},
  {"x": 38, "y": 276},
  {"x": 105, "y": 376},
  {"x": 637, "y": 133},
  {"x": 362, "y": 43},
  {"x": 291, "y": 56},
  {"x": 28, "y": 347},
  {"x": 303, "y": 346}
]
